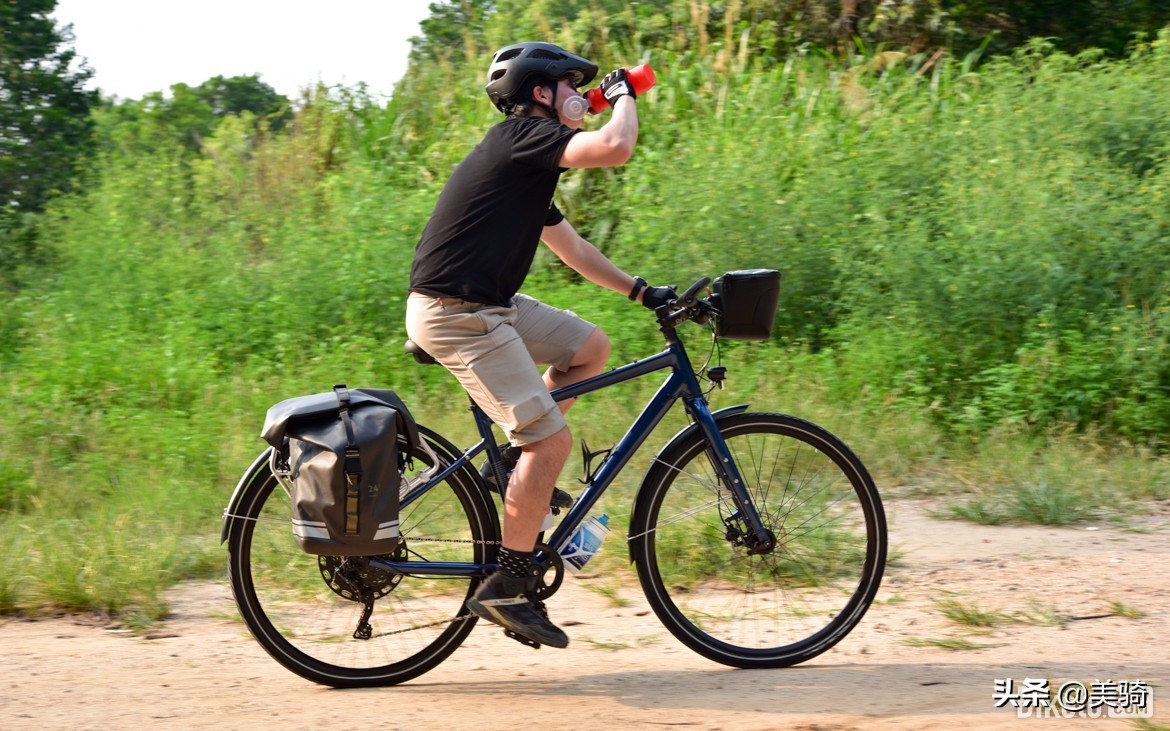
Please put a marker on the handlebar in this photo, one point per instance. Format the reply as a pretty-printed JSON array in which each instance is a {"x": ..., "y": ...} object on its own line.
[{"x": 688, "y": 306}]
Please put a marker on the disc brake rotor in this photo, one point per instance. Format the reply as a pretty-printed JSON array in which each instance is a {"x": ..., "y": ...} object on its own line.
[{"x": 352, "y": 577}]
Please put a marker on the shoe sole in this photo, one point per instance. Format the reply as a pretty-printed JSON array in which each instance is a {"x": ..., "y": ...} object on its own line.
[{"x": 489, "y": 613}]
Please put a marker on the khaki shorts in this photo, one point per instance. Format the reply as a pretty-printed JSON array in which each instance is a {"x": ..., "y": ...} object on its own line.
[{"x": 494, "y": 352}]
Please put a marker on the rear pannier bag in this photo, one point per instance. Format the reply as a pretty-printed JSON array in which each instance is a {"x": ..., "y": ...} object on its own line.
[
  {"x": 345, "y": 466},
  {"x": 747, "y": 300}
]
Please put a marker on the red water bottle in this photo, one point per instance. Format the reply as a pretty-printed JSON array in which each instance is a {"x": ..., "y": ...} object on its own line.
[{"x": 640, "y": 77}]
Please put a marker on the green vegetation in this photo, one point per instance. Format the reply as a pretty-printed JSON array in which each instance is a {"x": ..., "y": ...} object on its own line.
[
  {"x": 971, "y": 616},
  {"x": 46, "y": 128},
  {"x": 953, "y": 644},
  {"x": 1121, "y": 609},
  {"x": 976, "y": 296}
]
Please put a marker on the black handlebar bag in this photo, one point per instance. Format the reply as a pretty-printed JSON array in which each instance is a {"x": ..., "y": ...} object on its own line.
[{"x": 345, "y": 467}]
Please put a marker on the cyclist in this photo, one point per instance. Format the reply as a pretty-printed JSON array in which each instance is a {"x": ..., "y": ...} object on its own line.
[{"x": 465, "y": 310}]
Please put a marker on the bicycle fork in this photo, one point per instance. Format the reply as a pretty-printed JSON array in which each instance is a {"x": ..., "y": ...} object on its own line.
[{"x": 744, "y": 527}]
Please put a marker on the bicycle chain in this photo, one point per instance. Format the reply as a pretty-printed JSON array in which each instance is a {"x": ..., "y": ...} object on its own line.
[
  {"x": 421, "y": 539},
  {"x": 460, "y": 618}
]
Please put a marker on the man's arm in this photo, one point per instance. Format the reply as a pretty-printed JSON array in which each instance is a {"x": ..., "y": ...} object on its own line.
[
  {"x": 609, "y": 146},
  {"x": 584, "y": 258}
]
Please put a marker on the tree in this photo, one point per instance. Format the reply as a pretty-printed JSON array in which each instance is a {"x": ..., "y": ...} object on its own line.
[
  {"x": 191, "y": 114},
  {"x": 45, "y": 123},
  {"x": 245, "y": 94},
  {"x": 453, "y": 26},
  {"x": 1074, "y": 24}
]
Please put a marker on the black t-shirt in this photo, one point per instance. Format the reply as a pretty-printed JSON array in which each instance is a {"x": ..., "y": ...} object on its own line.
[{"x": 483, "y": 234}]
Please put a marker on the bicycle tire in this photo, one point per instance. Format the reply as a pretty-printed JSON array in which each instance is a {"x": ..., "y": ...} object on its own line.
[
  {"x": 760, "y": 611},
  {"x": 285, "y": 598}
]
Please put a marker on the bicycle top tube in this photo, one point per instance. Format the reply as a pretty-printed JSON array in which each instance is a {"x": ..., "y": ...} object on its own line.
[
  {"x": 687, "y": 307},
  {"x": 682, "y": 382}
]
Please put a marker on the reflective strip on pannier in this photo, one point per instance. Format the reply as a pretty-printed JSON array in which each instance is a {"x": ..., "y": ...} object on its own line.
[
  {"x": 387, "y": 530},
  {"x": 309, "y": 530}
]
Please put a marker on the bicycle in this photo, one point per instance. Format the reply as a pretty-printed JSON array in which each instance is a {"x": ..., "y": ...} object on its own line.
[{"x": 759, "y": 538}]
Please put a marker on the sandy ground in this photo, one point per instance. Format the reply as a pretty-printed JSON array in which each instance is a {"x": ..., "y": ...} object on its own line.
[{"x": 203, "y": 670}]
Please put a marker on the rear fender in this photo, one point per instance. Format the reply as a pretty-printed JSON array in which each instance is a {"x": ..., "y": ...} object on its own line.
[{"x": 259, "y": 472}]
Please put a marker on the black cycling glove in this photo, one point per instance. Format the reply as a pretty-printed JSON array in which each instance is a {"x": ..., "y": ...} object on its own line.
[
  {"x": 656, "y": 297},
  {"x": 616, "y": 85}
]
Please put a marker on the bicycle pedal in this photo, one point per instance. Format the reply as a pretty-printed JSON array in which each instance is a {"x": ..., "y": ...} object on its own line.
[{"x": 522, "y": 639}]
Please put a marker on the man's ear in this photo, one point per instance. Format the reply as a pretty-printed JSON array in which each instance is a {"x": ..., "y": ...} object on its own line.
[{"x": 542, "y": 95}]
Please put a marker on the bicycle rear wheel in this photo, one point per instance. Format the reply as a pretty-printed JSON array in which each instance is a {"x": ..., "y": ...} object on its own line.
[
  {"x": 304, "y": 609},
  {"x": 784, "y": 606}
]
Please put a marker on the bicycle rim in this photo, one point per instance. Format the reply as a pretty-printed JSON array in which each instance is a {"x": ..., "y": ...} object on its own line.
[
  {"x": 787, "y": 605},
  {"x": 296, "y": 604}
]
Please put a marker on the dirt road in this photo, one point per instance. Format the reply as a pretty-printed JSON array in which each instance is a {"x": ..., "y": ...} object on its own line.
[{"x": 1089, "y": 603}]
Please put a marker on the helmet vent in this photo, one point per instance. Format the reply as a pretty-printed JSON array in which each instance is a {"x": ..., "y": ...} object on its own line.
[
  {"x": 542, "y": 53},
  {"x": 509, "y": 54}
]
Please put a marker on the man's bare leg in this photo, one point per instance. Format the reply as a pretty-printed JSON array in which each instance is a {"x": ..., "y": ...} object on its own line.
[
  {"x": 589, "y": 361},
  {"x": 530, "y": 488}
]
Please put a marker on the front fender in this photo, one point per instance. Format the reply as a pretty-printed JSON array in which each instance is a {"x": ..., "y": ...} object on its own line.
[
  {"x": 684, "y": 433},
  {"x": 259, "y": 471},
  {"x": 693, "y": 427}
]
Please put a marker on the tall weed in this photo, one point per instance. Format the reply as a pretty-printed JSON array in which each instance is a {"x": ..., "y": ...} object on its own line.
[{"x": 972, "y": 258}]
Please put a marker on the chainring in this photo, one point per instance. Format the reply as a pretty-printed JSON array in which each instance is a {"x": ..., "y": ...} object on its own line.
[{"x": 544, "y": 589}]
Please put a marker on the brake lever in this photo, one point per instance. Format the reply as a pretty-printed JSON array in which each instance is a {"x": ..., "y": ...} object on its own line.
[{"x": 688, "y": 297}]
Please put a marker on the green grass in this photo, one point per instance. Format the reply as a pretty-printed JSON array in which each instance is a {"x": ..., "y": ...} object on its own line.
[
  {"x": 1044, "y": 615},
  {"x": 971, "y": 616},
  {"x": 617, "y": 646},
  {"x": 608, "y": 588},
  {"x": 1062, "y": 479},
  {"x": 87, "y": 547},
  {"x": 1038, "y": 613},
  {"x": 952, "y": 644},
  {"x": 109, "y": 564},
  {"x": 1121, "y": 609},
  {"x": 185, "y": 292}
]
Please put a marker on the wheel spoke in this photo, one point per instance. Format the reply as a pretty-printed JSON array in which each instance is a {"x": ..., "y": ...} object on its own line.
[
  {"x": 304, "y": 609},
  {"x": 783, "y": 606}
]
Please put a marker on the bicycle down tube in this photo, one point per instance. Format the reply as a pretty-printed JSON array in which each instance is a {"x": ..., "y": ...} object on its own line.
[{"x": 682, "y": 383}]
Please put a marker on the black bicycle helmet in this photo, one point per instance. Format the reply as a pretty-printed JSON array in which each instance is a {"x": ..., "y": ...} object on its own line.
[{"x": 515, "y": 64}]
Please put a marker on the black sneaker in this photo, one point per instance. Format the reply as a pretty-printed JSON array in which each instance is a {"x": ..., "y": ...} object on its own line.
[
  {"x": 502, "y": 599},
  {"x": 509, "y": 454}
]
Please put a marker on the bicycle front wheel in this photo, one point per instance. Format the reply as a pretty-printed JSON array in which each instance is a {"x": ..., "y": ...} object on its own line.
[
  {"x": 771, "y": 609},
  {"x": 306, "y": 610}
]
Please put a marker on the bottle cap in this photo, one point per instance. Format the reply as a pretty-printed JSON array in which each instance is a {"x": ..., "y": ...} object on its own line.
[{"x": 574, "y": 108}]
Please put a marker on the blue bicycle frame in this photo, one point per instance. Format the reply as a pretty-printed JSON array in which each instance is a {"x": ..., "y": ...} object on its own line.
[{"x": 682, "y": 383}]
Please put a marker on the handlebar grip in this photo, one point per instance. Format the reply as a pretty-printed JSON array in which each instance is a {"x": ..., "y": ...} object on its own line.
[{"x": 688, "y": 297}]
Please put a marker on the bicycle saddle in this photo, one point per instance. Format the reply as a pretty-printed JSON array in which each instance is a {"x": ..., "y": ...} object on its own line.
[{"x": 420, "y": 355}]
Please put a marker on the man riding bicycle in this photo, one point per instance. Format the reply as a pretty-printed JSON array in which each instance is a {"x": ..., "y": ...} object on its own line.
[{"x": 465, "y": 310}]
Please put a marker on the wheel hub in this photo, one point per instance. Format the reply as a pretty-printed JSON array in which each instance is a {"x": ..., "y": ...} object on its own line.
[
  {"x": 737, "y": 535},
  {"x": 757, "y": 547}
]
